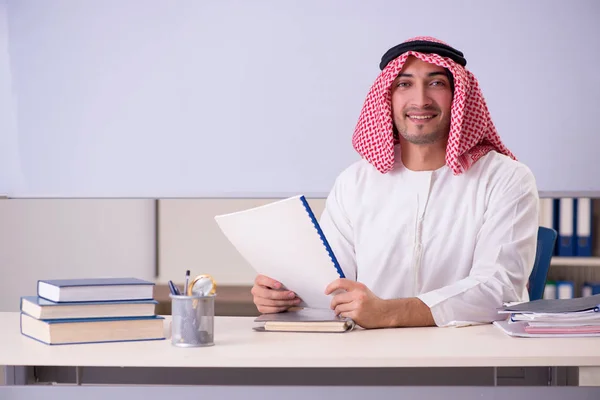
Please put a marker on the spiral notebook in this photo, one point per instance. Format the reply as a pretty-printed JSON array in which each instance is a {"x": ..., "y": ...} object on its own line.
[{"x": 283, "y": 240}]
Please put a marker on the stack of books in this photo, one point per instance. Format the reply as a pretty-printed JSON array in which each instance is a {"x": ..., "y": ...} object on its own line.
[
  {"x": 97, "y": 310},
  {"x": 577, "y": 317}
]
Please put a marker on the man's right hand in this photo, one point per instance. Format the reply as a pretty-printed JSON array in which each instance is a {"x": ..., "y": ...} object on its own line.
[{"x": 270, "y": 297}]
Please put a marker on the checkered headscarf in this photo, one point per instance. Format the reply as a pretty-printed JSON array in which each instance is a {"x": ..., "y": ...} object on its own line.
[{"x": 472, "y": 132}]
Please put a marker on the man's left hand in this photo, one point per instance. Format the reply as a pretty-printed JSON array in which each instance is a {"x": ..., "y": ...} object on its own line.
[{"x": 356, "y": 301}]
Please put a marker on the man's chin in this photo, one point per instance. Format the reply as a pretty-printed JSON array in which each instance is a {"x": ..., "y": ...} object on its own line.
[{"x": 421, "y": 137}]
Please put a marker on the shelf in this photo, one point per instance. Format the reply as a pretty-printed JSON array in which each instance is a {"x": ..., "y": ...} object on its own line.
[{"x": 576, "y": 261}]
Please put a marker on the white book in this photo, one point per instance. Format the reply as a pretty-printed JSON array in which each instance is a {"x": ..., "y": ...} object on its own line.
[{"x": 283, "y": 240}]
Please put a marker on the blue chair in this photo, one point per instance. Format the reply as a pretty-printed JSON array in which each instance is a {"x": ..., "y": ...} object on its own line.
[{"x": 546, "y": 241}]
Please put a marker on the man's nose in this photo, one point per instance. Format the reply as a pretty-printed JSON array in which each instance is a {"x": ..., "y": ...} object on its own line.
[{"x": 421, "y": 97}]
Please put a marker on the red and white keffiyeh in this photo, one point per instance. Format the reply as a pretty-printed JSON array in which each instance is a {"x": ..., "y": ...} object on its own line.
[{"x": 472, "y": 132}]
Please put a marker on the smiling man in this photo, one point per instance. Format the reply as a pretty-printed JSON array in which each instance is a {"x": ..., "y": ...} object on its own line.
[{"x": 437, "y": 224}]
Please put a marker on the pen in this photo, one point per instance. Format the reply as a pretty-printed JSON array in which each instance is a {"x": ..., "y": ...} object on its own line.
[
  {"x": 187, "y": 280},
  {"x": 172, "y": 288}
]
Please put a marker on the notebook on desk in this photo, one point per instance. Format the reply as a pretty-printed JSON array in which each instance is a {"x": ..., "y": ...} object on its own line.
[
  {"x": 283, "y": 240},
  {"x": 304, "y": 320}
]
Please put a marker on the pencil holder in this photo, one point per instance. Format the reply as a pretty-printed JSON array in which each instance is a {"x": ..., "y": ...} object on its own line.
[{"x": 193, "y": 319}]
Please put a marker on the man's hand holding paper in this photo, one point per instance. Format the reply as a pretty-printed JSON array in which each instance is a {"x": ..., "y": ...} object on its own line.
[{"x": 270, "y": 296}]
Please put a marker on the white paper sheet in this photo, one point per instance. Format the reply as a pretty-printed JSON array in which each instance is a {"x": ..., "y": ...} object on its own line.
[{"x": 281, "y": 241}]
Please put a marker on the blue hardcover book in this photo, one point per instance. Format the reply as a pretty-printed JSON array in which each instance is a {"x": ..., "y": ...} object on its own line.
[
  {"x": 95, "y": 330},
  {"x": 41, "y": 308},
  {"x": 95, "y": 289},
  {"x": 284, "y": 241}
]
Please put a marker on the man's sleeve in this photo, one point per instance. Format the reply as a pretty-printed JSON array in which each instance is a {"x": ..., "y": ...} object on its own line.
[
  {"x": 338, "y": 231},
  {"x": 502, "y": 261}
]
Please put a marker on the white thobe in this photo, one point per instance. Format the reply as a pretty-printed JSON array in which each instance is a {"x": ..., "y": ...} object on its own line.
[{"x": 462, "y": 244}]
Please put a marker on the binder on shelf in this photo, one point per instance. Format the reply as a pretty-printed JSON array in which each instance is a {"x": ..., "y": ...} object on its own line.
[
  {"x": 546, "y": 216},
  {"x": 590, "y": 289},
  {"x": 284, "y": 241},
  {"x": 565, "y": 290},
  {"x": 556, "y": 222},
  {"x": 583, "y": 225},
  {"x": 566, "y": 229},
  {"x": 550, "y": 290}
]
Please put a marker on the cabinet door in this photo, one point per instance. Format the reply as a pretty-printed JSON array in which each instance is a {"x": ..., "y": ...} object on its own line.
[{"x": 73, "y": 238}]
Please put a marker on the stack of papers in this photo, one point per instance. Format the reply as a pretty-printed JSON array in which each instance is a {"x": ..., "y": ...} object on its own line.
[{"x": 553, "y": 318}]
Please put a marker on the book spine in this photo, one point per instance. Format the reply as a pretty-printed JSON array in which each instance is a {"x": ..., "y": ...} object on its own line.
[{"x": 322, "y": 236}]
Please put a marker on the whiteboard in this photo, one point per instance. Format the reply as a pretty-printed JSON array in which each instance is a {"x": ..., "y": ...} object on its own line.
[{"x": 236, "y": 98}]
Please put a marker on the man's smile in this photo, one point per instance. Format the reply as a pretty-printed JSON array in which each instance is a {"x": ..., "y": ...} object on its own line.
[{"x": 420, "y": 118}]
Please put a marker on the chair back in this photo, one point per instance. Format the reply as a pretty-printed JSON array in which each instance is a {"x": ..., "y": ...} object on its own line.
[{"x": 546, "y": 241}]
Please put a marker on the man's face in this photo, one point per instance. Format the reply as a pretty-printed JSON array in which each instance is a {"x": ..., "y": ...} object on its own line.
[{"x": 421, "y": 102}]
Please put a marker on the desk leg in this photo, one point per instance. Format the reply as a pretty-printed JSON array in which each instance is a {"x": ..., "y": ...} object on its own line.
[
  {"x": 589, "y": 376},
  {"x": 78, "y": 375}
]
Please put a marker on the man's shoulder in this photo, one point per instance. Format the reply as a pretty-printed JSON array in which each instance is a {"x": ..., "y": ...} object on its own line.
[
  {"x": 357, "y": 173},
  {"x": 497, "y": 164},
  {"x": 500, "y": 170}
]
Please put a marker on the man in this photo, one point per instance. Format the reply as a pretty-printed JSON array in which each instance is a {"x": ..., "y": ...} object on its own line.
[{"x": 437, "y": 224}]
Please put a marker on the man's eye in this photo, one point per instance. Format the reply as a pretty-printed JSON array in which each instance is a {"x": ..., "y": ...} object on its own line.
[
  {"x": 438, "y": 83},
  {"x": 403, "y": 84}
]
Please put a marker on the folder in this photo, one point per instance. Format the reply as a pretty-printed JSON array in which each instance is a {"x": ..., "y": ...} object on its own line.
[
  {"x": 583, "y": 247},
  {"x": 591, "y": 303},
  {"x": 566, "y": 230},
  {"x": 519, "y": 330},
  {"x": 553, "y": 318},
  {"x": 284, "y": 241}
]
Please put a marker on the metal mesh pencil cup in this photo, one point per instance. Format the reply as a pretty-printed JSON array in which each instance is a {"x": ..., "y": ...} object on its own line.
[{"x": 192, "y": 323}]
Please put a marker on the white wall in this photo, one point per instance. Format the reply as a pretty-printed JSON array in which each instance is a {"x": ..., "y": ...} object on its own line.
[
  {"x": 72, "y": 238},
  {"x": 81, "y": 238},
  {"x": 189, "y": 238},
  {"x": 11, "y": 177},
  {"x": 122, "y": 98}
]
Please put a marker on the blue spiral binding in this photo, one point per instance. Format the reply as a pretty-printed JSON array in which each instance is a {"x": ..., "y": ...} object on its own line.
[{"x": 322, "y": 236}]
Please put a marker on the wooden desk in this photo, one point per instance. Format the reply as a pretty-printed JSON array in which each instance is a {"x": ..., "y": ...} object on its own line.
[
  {"x": 238, "y": 348},
  {"x": 237, "y": 345}
]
